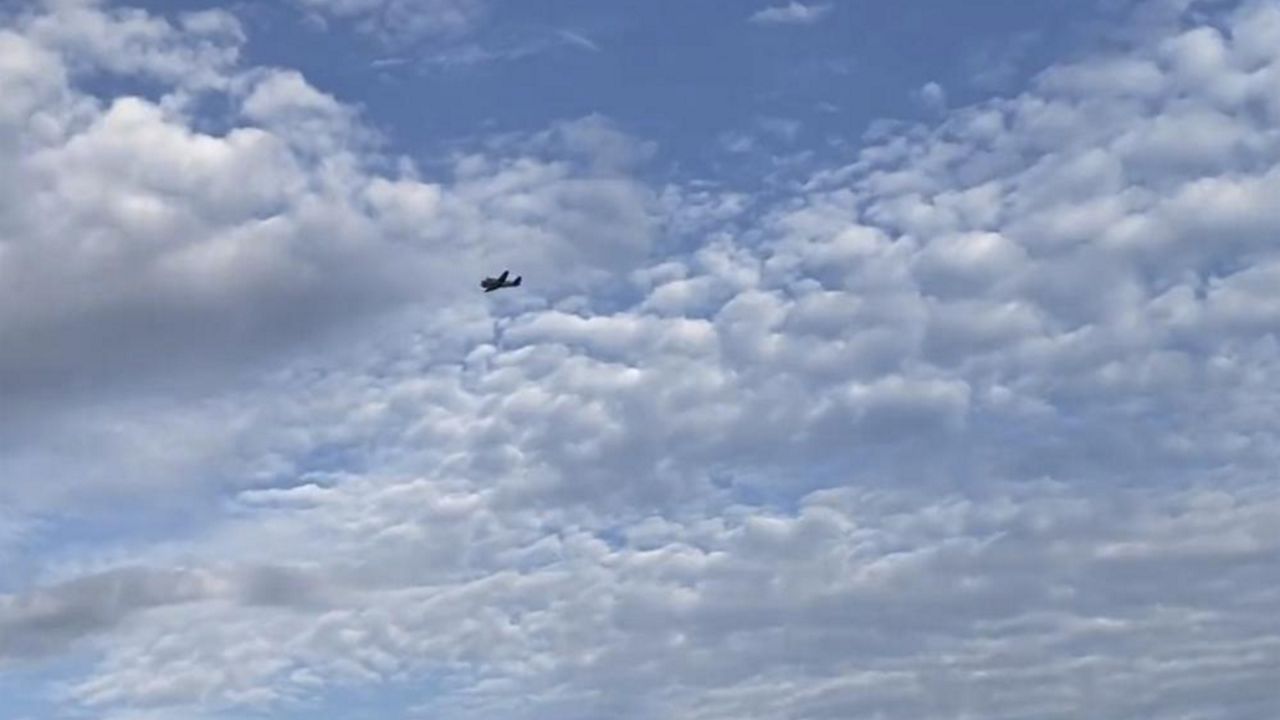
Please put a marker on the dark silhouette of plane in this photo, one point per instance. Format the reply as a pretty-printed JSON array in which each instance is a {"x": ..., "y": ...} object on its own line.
[{"x": 490, "y": 284}]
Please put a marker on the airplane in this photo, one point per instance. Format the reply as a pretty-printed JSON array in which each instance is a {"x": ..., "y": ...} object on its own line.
[{"x": 490, "y": 284}]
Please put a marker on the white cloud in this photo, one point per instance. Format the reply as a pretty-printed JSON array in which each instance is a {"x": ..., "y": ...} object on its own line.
[
  {"x": 142, "y": 252},
  {"x": 403, "y": 21},
  {"x": 579, "y": 40},
  {"x": 1029, "y": 600},
  {"x": 196, "y": 52},
  {"x": 793, "y": 13},
  {"x": 932, "y": 97}
]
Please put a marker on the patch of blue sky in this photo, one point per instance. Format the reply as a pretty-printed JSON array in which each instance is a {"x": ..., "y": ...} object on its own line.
[
  {"x": 30, "y": 689},
  {"x": 697, "y": 78},
  {"x": 60, "y": 540}
]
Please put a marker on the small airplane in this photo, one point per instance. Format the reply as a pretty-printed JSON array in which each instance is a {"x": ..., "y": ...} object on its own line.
[{"x": 490, "y": 284}]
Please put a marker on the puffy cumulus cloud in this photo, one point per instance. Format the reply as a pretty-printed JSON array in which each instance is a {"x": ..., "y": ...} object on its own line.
[
  {"x": 137, "y": 245},
  {"x": 980, "y": 423},
  {"x": 197, "y": 50},
  {"x": 403, "y": 21}
]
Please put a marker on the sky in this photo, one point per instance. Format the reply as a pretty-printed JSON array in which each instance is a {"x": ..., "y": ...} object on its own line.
[{"x": 873, "y": 360}]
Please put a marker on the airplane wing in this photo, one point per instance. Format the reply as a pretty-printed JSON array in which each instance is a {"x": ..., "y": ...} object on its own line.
[{"x": 503, "y": 277}]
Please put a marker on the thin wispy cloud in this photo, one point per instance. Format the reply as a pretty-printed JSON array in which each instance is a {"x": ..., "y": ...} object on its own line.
[
  {"x": 497, "y": 50},
  {"x": 793, "y": 13},
  {"x": 579, "y": 40},
  {"x": 400, "y": 22}
]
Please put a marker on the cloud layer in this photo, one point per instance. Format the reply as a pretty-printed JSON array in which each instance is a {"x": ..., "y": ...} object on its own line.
[{"x": 979, "y": 424}]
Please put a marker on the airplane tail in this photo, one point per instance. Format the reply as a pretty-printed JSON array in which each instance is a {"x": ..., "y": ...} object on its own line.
[{"x": 516, "y": 282}]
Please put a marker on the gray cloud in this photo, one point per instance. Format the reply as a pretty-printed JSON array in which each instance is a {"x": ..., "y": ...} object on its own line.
[
  {"x": 49, "y": 619},
  {"x": 52, "y": 619}
]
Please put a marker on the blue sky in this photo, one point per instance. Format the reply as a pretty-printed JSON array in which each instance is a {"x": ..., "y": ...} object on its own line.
[
  {"x": 681, "y": 74},
  {"x": 895, "y": 360}
]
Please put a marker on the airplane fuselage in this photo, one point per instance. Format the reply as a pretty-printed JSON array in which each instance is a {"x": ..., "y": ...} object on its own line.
[{"x": 490, "y": 284}]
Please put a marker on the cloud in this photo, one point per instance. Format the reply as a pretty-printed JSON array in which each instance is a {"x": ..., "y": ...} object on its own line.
[
  {"x": 145, "y": 256},
  {"x": 885, "y": 602},
  {"x": 933, "y": 97},
  {"x": 402, "y": 22},
  {"x": 47, "y": 620},
  {"x": 505, "y": 48},
  {"x": 579, "y": 40},
  {"x": 195, "y": 51},
  {"x": 793, "y": 13},
  {"x": 943, "y": 430}
]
